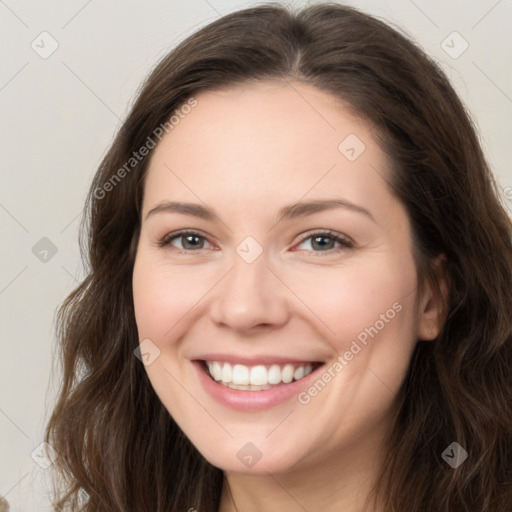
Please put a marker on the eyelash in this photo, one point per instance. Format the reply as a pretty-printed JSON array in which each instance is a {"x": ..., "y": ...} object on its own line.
[{"x": 345, "y": 243}]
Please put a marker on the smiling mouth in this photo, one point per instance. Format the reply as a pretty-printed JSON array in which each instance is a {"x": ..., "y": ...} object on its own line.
[{"x": 258, "y": 377}]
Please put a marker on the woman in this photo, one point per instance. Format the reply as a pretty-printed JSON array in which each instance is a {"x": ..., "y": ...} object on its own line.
[{"x": 300, "y": 285}]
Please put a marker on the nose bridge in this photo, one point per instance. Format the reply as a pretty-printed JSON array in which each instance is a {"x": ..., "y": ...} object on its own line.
[{"x": 250, "y": 294}]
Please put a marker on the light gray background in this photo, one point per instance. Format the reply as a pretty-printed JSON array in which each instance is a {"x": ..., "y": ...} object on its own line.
[{"x": 59, "y": 114}]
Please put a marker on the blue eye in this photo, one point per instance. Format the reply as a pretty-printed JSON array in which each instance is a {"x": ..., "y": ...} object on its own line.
[
  {"x": 320, "y": 242},
  {"x": 190, "y": 241},
  {"x": 325, "y": 242}
]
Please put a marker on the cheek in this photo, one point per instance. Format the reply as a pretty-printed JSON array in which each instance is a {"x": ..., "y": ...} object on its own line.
[
  {"x": 163, "y": 295},
  {"x": 351, "y": 299}
]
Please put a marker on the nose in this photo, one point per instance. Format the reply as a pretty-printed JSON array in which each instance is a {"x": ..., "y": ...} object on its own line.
[{"x": 250, "y": 297}]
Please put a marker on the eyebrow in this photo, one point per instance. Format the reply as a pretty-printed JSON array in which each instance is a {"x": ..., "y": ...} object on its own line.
[{"x": 288, "y": 212}]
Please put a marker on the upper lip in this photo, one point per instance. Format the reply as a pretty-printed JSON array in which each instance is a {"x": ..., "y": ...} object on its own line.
[{"x": 254, "y": 360}]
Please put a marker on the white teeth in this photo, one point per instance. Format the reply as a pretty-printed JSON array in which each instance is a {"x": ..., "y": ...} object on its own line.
[
  {"x": 248, "y": 388},
  {"x": 287, "y": 374},
  {"x": 257, "y": 377},
  {"x": 240, "y": 374},
  {"x": 274, "y": 374},
  {"x": 227, "y": 373},
  {"x": 216, "y": 370},
  {"x": 298, "y": 373}
]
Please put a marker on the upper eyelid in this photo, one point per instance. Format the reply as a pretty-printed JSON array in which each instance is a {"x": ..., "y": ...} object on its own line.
[{"x": 326, "y": 233}]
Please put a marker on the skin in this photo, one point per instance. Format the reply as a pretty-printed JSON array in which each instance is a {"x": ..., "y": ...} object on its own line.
[{"x": 246, "y": 152}]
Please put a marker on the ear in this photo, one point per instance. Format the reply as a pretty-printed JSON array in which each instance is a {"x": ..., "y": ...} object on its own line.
[{"x": 431, "y": 305}]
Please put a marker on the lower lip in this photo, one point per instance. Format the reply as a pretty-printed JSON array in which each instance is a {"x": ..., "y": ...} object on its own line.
[{"x": 251, "y": 400}]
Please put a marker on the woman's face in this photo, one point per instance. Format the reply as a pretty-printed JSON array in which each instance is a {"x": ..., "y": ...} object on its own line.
[{"x": 299, "y": 255}]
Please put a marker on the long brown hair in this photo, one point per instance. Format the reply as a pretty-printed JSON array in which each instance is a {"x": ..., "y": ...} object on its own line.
[{"x": 116, "y": 441}]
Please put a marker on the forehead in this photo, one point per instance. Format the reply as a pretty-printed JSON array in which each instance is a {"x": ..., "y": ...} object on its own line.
[{"x": 266, "y": 143}]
